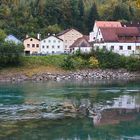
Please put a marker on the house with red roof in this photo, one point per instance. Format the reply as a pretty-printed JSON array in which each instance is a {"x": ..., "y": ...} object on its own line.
[
  {"x": 98, "y": 24},
  {"x": 122, "y": 40}
]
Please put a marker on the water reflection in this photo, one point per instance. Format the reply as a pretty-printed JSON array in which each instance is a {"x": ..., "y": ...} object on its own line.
[
  {"x": 123, "y": 108},
  {"x": 70, "y": 111}
]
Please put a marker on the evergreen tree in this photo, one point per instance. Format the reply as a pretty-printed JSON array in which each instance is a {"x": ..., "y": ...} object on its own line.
[
  {"x": 121, "y": 13},
  {"x": 93, "y": 16},
  {"x": 81, "y": 20}
]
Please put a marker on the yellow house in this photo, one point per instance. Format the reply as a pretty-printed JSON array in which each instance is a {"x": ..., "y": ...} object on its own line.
[
  {"x": 31, "y": 45},
  {"x": 69, "y": 36}
]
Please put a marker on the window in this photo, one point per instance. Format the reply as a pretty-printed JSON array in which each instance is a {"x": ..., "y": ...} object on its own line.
[
  {"x": 44, "y": 41},
  {"x": 33, "y": 45},
  {"x": 101, "y": 39},
  {"x": 129, "y": 47},
  {"x": 58, "y": 41},
  {"x": 53, "y": 47},
  {"x": 31, "y": 39},
  {"x": 58, "y": 47},
  {"x": 47, "y": 47},
  {"x": 43, "y": 46},
  {"x": 65, "y": 40},
  {"x": 52, "y": 52},
  {"x": 28, "y": 45},
  {"x": 137, "y": 47},
  {"x": 66, "y": 46},
  {"x": 54, "y": 41},
  {"x": 121, "y": 47},
  {"x": 49, "y": 40},
  {"x": 37, "y": 45},
  {"x": 112, "y": 47}
]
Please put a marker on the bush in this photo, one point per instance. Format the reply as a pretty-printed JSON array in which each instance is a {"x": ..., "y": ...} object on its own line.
[
  {"x": 133, "y": 64},
  {"x": 68, "y": 63},
  {"x": 10, "y": 53},
  {"x": 93, "y": 62}
]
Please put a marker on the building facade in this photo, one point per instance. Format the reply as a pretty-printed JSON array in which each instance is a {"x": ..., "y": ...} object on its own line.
[
  {"x": 52, "y": 45},
  {"x": 69, "y": 36},
  {"x": 121, "y": 40},
  {"x": 31, "y": 46},
  {"x": 82, "y": 45},
  {"x": 98, "y": 24}
]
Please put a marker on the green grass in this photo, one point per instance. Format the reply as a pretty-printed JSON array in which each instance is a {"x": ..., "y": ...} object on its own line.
[{"x": 51, "y": 60}]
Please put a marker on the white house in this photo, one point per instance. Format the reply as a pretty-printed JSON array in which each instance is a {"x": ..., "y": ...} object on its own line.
[
  {"x": 121, "y": 40},
  {"x": 81, "y": 44},
  {"x": 98, "y": 24},
  {"x": 52, "y": 45}
]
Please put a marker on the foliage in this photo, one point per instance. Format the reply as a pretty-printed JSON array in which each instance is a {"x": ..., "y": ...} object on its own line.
[
  {"x": 40, "y": 16},
  {"x": 2, "y": 35},
  {"x": 68, "y": 63},
  {"x": 133, "y": 64},
  {"x": 93, "y": 62},
  {"x": 10, "y": 54}
]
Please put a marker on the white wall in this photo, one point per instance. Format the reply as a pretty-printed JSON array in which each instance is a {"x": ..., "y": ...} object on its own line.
[
  {"x": 93, "y": 34},
  {"x": 82, "y": 49},
  {"x": 52, "y": 45},
  {"x": 125, "y": 50}
]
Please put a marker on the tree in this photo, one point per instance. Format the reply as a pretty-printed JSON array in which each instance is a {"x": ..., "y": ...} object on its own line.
[
  {"x": 81, "y": 15},
  {"x": 2, "y": 35},
  {"x": 121, "y": 12},
  {"x": 93, "y": 16},
  {"x": 10, "y": 53}
]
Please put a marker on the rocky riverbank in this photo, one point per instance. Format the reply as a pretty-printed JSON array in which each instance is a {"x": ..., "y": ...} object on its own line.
[{"x": 97, "y": 74}]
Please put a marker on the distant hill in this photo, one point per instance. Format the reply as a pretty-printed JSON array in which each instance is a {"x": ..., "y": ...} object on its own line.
[{"x": 21, "y": 17}]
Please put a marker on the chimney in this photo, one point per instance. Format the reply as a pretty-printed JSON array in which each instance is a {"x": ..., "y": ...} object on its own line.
[
  {"x": 27, "y": 35},
  {"x": 38, "y": 36}
]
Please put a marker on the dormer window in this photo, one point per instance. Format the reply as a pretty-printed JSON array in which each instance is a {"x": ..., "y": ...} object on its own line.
[{"x": 31, "y": 39}]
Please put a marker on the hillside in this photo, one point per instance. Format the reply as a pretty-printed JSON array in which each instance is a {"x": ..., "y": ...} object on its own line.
[{"x": 21, "y": 17}]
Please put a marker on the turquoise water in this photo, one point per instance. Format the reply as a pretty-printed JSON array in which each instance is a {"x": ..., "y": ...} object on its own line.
[{"x": 103, "y": 110}]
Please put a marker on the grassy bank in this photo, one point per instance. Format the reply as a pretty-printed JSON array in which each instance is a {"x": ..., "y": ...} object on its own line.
[
  {"x": 60, "y": 63},
  {"x": 35, "y": 64}
]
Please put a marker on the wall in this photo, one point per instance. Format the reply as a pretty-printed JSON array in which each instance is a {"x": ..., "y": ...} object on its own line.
[
  {"x": 52, "y": 43},
  {"x": 30, "y": 48},
  {"x": 69, "y": 38}
]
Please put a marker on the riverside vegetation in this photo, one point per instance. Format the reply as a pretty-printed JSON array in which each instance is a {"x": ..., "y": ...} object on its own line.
[{"x": 11, "y": 57}]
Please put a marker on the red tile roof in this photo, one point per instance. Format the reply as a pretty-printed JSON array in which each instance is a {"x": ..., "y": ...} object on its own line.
[
  {"x": 108, "y": 24},
  {"x": 114, "y": 34}
]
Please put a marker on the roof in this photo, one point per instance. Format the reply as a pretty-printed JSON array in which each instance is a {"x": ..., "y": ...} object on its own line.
[
  {"x": 108, "y": 24},
  {"x": 65, "y": 31},
  {"x": 31, "y": 37},
  {"x": 53, "y": 36},
  {"x": 13, "y": 39},
  {"x": 114, "y": 34},
  {"x": 81, "y": 42},
  {"x": 131, "y": 24}
]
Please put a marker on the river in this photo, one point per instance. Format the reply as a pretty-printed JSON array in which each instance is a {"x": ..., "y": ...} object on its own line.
[{"x": 85, "y": 110}]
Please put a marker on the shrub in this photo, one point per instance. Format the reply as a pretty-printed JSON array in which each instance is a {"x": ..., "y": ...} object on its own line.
[
  {"x": 68, "y": 63},
  {"x": 10, "y": 53},
  {"x": 93, "y": 62},
  {"x": 133, "y": 64}
]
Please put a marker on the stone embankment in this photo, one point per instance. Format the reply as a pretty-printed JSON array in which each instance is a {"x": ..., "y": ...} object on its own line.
[{"x": 74, "y": 75}]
